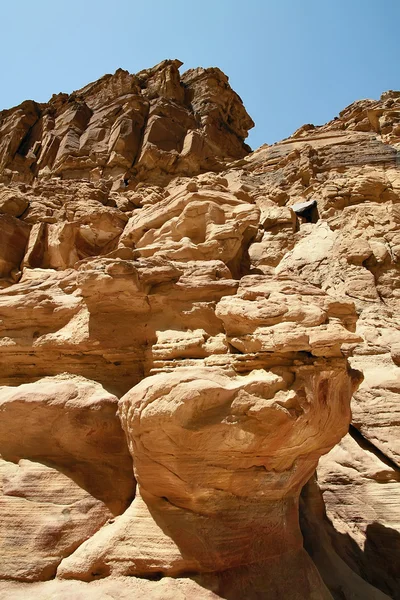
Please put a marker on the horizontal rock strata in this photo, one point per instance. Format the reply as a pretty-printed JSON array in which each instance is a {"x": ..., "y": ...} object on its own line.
[{"x": 179, "y": 311}]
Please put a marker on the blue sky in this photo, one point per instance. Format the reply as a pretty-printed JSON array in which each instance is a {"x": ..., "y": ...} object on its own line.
[{"x": 291, "y": 61}]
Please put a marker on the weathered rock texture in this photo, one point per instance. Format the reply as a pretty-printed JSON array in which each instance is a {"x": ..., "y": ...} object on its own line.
[
  {"x": 127, "y": 125},
  {"x": 180, "y": 312}
]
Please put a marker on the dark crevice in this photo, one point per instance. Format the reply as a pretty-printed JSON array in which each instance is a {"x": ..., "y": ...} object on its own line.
[
  {"x": 140, "y": 144},
  {"x": 367, "y": 445},
  {"x": 151, "y": 576},
  {"x": 25, "y": 142}
]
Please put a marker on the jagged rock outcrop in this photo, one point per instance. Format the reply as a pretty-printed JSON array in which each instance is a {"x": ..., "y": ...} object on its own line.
[
  {"x": 127, "y": 125},
  {"x": 232, "y": 302}
]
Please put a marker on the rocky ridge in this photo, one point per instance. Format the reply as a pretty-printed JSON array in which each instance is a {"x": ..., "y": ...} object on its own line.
[{"x": 175, "y": 306}]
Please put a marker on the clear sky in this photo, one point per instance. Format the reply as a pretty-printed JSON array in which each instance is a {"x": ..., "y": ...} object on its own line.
[{"x": 291, "y": 61}]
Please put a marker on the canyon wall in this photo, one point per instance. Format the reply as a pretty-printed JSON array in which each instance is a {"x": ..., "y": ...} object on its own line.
[{"x": 200, "y": 347}]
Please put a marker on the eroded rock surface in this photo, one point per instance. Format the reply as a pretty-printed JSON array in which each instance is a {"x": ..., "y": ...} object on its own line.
[
  {"x": 230, "y": 301},
  {"x": 127, "y": 125},
  {"x": 65, "y": 471}
]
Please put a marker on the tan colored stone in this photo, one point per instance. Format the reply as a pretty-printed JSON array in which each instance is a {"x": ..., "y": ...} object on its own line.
[
  {"x": 13, "y": 202},
  {"x": 360, "y": 487},
  {"x": 14, "y": 237},
  {"x": 44, "y": 515},
  {"x": 101, "y": 126},
  {"x": 323, "y": 544},
  {"x": 143, "y": 245},
  {"x": 121, "y": 588},
  {"x": 70, "y": 423},
  {"x": 133, "y": 544},
  {"x": 226, "y": 455}
]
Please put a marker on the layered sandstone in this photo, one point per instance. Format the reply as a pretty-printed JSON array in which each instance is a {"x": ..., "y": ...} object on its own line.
[
  {"x": 127, "y": 125},
  {"x": 177, "y": 311}
]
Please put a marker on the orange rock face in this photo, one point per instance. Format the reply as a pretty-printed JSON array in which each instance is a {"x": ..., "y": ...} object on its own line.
[
  {"x": 126, "y": 125},
  {"x": 179, "y": 312}
]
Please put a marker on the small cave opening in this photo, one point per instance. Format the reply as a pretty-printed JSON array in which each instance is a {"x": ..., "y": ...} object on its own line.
[{"x": 307, "y": 212}]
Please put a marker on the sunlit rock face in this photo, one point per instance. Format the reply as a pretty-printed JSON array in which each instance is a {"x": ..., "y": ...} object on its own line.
[
  {"x": 65, "y": 471},
  {"x": 220, "y": 459},
  {"x": 182, "y": 313},
  {"x": 127, "y": 125}
]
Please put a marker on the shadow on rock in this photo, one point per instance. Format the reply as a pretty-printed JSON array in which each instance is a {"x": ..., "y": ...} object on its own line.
[{"x": 349, "y": 572}]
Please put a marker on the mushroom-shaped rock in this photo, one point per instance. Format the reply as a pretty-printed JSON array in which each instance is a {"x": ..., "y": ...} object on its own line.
[{"x": 220, "y": 459}]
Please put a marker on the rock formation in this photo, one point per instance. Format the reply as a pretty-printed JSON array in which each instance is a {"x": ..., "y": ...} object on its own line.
[{"x": 183, "y": 326}]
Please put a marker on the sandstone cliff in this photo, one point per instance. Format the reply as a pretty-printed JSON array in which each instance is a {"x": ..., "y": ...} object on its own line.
[{"x": 185, "y": 325}]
